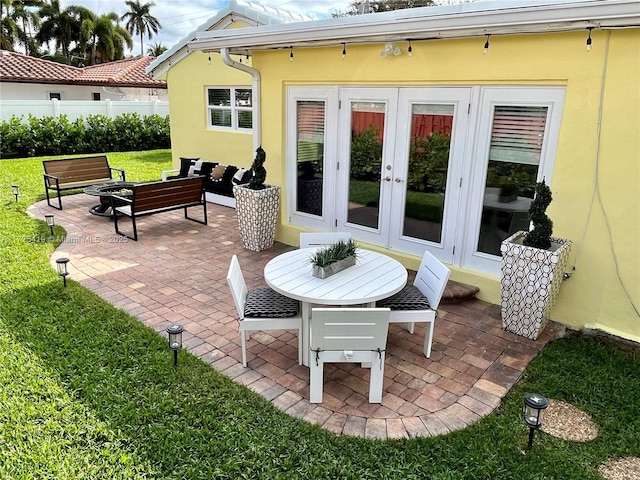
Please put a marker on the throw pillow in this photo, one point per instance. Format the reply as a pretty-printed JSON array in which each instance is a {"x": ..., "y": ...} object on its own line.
[
  {"x": 207, "y": 168},
  {"x": 185, "y": 164},
  {"x": 194, "y": 169},
  {"x": 228, "y": 174},
  {"x": 237, "y": 177},
  {"x": 218, "y": 172}
]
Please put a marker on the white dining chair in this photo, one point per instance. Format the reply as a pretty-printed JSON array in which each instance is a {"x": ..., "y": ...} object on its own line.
[
  {"x": 322, "y": 239},
  {"x": 354, "y": 335},
  {"x": 418, "y": 303},
  {"x": 262, "y": 309}
]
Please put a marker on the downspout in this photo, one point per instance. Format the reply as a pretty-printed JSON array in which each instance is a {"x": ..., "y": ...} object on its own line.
[{"x": 255, "y": 76}]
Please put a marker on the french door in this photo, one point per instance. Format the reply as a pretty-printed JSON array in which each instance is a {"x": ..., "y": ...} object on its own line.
[
  {"x": 401, "y": 153},
  {"x": 415, "y": 168}
]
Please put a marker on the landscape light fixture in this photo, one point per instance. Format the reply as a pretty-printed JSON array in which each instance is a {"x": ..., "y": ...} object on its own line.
[
  {"x": 15, "y": 189},
  {"x": 51, "y": 221},
  {"x": 61, "y": 265},
  {"x": 175, "y": 341},
  {"x": 534, "y": 403}
]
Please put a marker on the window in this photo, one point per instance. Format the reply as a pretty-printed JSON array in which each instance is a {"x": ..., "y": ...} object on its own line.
[
  {"x": 55, "y": 96},
  {"x": 230, "y": 108},
  {"x": 95, "y": 96}
]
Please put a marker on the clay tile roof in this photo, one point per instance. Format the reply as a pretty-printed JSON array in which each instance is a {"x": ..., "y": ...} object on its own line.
[
  {"x": 22, "y": 68},
  {"x": 16, "y": 67},
  {"x": 128, "y": 72}
]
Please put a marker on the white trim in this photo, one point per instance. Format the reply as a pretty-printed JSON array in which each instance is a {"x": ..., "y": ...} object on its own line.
[
  {"x": 453, "y": 21},
  {"x": 232, "y": 108}
]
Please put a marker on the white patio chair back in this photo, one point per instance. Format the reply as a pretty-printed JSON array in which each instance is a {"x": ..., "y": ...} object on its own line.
[
  {"x": 285, "y": 312},
  {"x": 322, "y": 239},
  {"x": 238, "y": 287},
  {"x": 431, "y": 279},
  {"x": 354, "y": 335},
  {"x": 409, "y": 306}
]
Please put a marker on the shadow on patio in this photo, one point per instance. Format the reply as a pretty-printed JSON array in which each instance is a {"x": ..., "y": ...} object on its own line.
[{"x": 176, "y": 273}]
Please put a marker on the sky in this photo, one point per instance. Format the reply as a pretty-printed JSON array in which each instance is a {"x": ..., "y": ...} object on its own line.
[{"x": 180, "y": 17}]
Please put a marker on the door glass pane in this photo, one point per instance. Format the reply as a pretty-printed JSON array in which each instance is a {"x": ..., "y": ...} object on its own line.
[
  {"x": 431, "y": 127},
  {"x": 367, "y": 131},
  {"x": 517, "y": 136},
  {"x": 310, "y": 125}
]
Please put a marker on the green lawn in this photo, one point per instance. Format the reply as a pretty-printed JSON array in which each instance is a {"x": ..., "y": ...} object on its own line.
[{"x": 88, "y": 392}]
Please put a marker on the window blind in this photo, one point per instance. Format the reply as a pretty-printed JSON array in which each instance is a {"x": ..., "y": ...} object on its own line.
[
  {"x": 518, "y": 134},
  {"x": 310, "y": 130}
]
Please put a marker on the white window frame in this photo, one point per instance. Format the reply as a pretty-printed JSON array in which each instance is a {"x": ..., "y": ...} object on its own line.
[{"x": 232, "y": 108}]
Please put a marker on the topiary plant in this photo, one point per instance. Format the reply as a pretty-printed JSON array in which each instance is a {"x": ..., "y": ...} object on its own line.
[
  {"x": 540, "y": 236},
  {"x": 259, "y": 172}
]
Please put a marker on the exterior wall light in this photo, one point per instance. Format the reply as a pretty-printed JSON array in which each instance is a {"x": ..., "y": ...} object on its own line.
[
  {"x": 61, "y": 265},
  {"x": 51, "y": 221},
  {"x": 390, "y": 49},
  {"x": 175, "y": 341},
  {"x": 15, "y": 190},
  {"x": 534, "y": 404}
]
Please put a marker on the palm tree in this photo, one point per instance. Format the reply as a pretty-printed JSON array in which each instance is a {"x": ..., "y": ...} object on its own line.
[
  {"x": 62, "y": 26},
  {"x": 103, "y": 36},
  {"x": 156, "y": 49},
  {"x": 8, "y": 27},
  {"x": 109, "y": 39},
  {"x": 140, "y": 21},
  {"x": 19, "y": 19}
]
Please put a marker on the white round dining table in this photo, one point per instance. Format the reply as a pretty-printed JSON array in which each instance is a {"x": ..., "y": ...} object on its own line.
[{"x": 374, "y": 276}]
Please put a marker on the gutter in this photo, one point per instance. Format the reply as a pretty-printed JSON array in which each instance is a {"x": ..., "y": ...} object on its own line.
[{"x": 255, "y": 86}]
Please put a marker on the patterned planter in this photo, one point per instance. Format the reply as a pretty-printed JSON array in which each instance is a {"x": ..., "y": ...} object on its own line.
[
  {"x": 531, "y": 279},
  {"x": 333, "y": 268},
  {"x": 257, "y": 212}
]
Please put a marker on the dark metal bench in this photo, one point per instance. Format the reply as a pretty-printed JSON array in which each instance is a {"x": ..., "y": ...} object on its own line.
[
  {"x": 158, "y": 197},
  {"x": 76, "y": 173}
]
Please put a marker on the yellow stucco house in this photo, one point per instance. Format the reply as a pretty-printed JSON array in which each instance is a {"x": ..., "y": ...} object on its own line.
[{"x": 427, "y": 129}]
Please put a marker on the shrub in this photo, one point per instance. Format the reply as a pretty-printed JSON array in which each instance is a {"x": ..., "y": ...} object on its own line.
[{"x": 93, "y": 134}]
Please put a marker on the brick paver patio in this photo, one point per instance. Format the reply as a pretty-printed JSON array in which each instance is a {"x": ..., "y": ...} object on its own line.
[{"x": 176, "y": 273}]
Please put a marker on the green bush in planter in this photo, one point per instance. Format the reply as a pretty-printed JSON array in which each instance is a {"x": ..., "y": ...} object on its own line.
[
  {"x": 259, "y": 172},
  {"x": 540, "y": 236}
]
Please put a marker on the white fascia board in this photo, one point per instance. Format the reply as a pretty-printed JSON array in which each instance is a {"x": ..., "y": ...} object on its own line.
[
  {"x": 431, "y": 22},
  {"x": 236, "y": 11}
]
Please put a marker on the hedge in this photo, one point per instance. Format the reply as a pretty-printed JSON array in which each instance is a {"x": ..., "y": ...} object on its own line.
[{"x": 93, "y": 134}]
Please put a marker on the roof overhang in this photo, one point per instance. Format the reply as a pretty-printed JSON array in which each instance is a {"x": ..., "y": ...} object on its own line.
[{"x": 452, "y": 21}]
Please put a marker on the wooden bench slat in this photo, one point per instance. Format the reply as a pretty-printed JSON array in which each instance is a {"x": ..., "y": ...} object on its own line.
[
  {"x": 157, "y": 197},
  {"x": 74, "y": 173}
]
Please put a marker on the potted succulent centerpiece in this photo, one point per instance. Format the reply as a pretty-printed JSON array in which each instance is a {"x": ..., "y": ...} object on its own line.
[
  {"x": 333, "y": 259},
  {"x": 533, "y": 266},
  {"x": 257, "y": 207}
]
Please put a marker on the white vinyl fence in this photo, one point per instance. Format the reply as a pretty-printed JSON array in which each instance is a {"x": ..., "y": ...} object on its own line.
[{"x": 74, "y": 109}]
